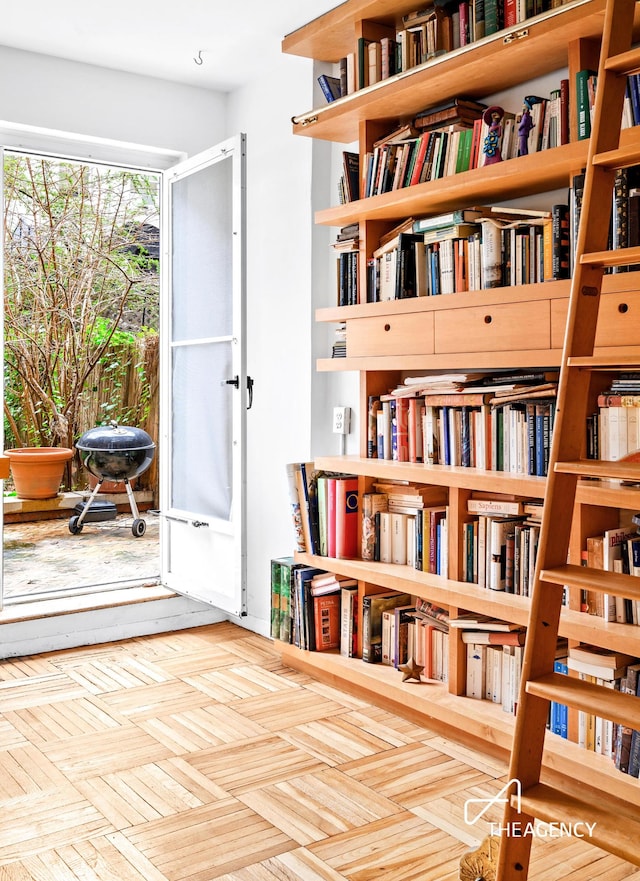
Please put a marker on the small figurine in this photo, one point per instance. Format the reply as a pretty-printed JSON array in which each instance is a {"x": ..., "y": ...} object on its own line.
[
  {"x": 526, "y": 124},
  {"x": 491, "y": 147}
]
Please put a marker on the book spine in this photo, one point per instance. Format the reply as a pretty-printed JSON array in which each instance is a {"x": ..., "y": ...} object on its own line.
[{"x": 583, "y": 107}]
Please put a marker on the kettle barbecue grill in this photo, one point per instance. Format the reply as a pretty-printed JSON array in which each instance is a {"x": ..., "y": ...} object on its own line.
[{"x": 113, "y": 452}]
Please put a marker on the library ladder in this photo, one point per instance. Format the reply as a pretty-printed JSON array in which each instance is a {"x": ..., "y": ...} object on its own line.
[{"x": 617, "y": 823}]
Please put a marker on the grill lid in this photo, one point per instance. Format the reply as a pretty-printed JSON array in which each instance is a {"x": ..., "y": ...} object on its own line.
[{"x": 115, "y": 437}]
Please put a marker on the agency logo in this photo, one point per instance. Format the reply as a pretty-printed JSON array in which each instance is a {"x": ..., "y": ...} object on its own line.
[
  {"x": 511, "y": 793},
  {"x": 476, "y": 808}
]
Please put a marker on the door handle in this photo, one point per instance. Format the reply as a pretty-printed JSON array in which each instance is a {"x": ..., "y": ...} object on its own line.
[{"x": 236, "y": 383}]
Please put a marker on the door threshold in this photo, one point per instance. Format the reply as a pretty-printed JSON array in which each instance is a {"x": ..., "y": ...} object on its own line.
[{"x": 30, "y": 609}]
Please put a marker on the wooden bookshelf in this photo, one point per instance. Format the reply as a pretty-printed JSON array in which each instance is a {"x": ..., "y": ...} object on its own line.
[{"x": 508, "y": 328}]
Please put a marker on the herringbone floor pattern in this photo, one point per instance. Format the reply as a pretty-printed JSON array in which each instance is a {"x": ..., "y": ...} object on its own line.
[{"x": 196, "y": 756}]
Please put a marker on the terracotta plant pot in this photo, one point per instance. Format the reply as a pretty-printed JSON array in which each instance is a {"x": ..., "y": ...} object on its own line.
[{"x": 37, "y": 471}]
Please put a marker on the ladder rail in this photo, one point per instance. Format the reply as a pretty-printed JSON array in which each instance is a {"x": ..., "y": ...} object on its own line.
[{"x": 568, "y": 440}]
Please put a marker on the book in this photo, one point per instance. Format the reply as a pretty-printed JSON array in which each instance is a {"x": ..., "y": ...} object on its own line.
[
  {"x": 349, "y": 621},
  {"x": 372, "y": 503},
  {"x": 489, "y": 637},
  {"x": 347, "y": 516},
  {"x": 331, "y": 87},
  {"x": 605, "y": 658},
  {"x": 326, "y": 614},
  {"x": 287, "y": 568},
  {"x": 482, "y": 622},
  {"x": 622, "y": 753},
  {"x": 451, "y": 218},
  {"x": 373, "y": 605},
  {"x": 302, "y": 617},
  {"x": 294, "y": 481},
  {"x": 495, "y": 506},
  {"x": 476, "y": 670},
  {"x": 583, "y": 102},
  {"x": 351, "y": 166},
  {"x": 275, "y": 599}
]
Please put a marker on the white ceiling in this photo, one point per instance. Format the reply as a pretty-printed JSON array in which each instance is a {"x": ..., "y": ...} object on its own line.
[{"x": 236, "y": 39}]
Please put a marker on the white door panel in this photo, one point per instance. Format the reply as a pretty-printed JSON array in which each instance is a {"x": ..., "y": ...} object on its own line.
[{"x": 203, "y": 378}]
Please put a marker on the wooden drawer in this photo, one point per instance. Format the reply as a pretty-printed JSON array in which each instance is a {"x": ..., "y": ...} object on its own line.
[
  {"x": 618, "y": 320},
  {"x": 407, "y": 334},
  {"x": 503, "y": 327}
]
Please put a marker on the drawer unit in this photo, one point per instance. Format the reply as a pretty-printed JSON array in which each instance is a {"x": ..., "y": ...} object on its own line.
[
  {"x": 502, "y": 327},
  {"x": 408, "y": 333}
]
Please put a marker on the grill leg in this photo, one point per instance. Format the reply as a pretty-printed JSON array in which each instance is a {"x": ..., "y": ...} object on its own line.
[
  {"x": 85, "y": 510},
  {"x": 132, "y": 501}
]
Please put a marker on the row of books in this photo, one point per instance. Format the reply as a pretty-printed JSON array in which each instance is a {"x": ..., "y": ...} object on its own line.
[
  {"x": 586, "y": 85},
  {"x": 613, "y": 430},
  {"x": 426, "y": 150},
  {"x": 483, "y": 247},
  {"x": 440, "y": 27},
  {"x": 468, "y": 249},
  {"x": 616, "y": 550},
  {"x": 619, "y": 742},
  {"x": 418, "y": 539},
  {"x": 312, "y": 608},
  {"x": 509, "y": 436},
  {"x": 494, "y": 670},
  {"x": 624, "y": 229},
  {"x": 499, "y": 550}
]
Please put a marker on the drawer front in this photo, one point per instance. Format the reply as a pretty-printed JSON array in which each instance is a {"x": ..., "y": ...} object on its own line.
[
  {"x": 504, "y": 327},
  {"x": 618, "y": 320},
  {"x": 408, "y": 334}
]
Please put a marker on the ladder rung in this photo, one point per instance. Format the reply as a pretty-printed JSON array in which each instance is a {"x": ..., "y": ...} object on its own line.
[
  {"x": 617, "y": 825},
  {"x": 594, "y": 579},
  {"x": 624, "y": 63},
  {"x": 602, "y": 362},
  {"x": 619, "y": 257},
  {"x": 621, "y": 157},
  {"x": 605, "y": 702},
  {"x": 602, "y": 469}
]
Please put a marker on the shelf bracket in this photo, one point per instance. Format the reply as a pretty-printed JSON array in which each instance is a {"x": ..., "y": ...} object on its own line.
[{"x": 516, "y": 35}]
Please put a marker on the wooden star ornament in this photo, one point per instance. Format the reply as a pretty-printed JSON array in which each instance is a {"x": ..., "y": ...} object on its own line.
[{"x": 410, "y": 670}]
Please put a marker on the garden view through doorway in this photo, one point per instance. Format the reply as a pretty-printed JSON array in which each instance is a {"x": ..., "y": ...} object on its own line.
[{"x": 81, "y": 348}]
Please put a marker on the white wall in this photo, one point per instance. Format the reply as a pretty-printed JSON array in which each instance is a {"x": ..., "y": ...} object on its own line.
[
  {"x": 291, "y": 272},
  {"x": 52, "y": 93}
]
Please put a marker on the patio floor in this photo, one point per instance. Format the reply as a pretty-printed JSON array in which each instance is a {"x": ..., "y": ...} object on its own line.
[{"x": 43, "y": 556}]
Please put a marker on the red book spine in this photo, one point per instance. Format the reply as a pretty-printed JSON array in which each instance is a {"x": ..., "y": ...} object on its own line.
[
  {"x": 420, "y": 157},
  {"x": 346, "y": 518},
  {"x": 402, "y": 429},
  {"x": 510, "y": 13},
  {"x": 463, "y": 10}
]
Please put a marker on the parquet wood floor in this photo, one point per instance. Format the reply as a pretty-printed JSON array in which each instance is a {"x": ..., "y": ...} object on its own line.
[{"x": 196, "y": 756}]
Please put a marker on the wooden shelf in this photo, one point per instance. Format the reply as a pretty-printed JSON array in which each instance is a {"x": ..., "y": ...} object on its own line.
[
  {"x": 476, "y": 70},
  {"x": 512, "y": 179},
  {"x": 574, "y": 625},
  {"x": 479, "y": 723},
  {"x": 482, "y": 361},
  {"x": 440, "y": 475},
  {"x": 442, "y": 591}
]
